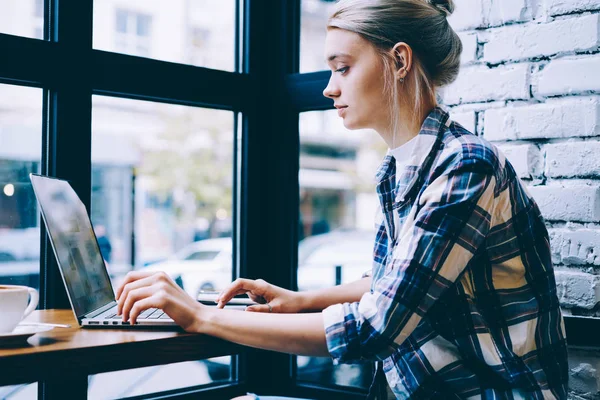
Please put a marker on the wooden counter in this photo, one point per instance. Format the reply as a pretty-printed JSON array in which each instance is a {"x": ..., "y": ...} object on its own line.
[{"x": 71, "y": 354}]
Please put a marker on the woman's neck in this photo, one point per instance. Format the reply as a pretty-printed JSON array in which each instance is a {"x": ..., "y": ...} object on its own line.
[{"x": 409, "y": 125}]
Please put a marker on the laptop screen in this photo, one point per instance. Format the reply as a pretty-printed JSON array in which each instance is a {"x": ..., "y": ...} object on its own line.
[{"x": 74, "y": 243}]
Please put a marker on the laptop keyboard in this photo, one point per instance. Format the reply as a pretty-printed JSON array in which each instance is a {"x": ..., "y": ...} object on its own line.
[{"x": 151, "y": 313}]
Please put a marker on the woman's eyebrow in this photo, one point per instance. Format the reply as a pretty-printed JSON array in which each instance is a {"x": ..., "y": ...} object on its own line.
[{"x": 337, "y": 55}]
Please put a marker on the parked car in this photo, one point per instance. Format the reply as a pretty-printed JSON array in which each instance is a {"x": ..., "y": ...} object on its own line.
[
  {"x": 321, "y": 256},
  {"x": 202, "y": 265}
]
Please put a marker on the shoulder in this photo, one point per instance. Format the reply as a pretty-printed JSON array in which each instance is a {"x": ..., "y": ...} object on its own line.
[{"x": 462, "y": 149}]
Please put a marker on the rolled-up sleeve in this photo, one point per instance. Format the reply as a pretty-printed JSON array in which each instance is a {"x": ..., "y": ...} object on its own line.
[{"x": 452, "y": 218}]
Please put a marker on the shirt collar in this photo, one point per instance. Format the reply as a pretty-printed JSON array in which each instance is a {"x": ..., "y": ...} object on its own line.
[{"x": 430, "y": 132}]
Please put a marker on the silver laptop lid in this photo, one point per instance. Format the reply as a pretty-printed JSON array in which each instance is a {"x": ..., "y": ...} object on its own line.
[{"x": 74, "y": 243}]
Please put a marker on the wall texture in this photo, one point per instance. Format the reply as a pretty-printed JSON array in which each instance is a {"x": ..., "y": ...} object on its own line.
[{"x": 530, "y": 83}]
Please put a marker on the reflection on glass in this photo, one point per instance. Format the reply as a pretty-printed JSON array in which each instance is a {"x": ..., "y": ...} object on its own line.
[
  {"x": 338, "y": 204},
  {"x": 197, "y": 32},
  {"x": 140, "y": 381},
  {"x": 22, "y": 18},
  {"x": 162, "y": 180},
  {"x": 313, "y": 20},
  {"x": 20, "y": 154}
]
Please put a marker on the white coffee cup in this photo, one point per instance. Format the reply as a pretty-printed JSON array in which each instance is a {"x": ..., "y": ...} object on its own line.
[{"x": 16, "y": 302}]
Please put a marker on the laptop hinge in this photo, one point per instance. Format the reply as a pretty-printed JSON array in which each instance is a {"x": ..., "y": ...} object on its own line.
[{"x": 99, "y": 311}]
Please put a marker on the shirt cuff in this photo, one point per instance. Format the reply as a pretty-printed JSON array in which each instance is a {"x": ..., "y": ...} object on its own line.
[{"x": 335, "y": 332}]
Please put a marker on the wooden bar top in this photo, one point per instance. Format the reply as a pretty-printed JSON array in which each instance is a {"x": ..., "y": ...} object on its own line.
[{"x": 74, "y": 350}]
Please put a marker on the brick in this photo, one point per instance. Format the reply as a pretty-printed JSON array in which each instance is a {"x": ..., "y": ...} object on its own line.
[
  {"x": 468, "y": 14},
  {"x": 577, "y": 289},
  {"x": 568, "y": 202},
  {"x": 466, "y": 119},
  {"x": 556, "y": 118},
  {"x": 479, "y": 83},
  {"x": 522, "y": 41},
  {"x": 505, "y": 11},
  {"x": 526, "y": 159},
  {"x": 575, "y": 247},
  {"x": 565, "y": 160},
  {"x": 570, "y": 75},
  {"x": 469, "y": 52},
  {"x": 559, "y": 7}
]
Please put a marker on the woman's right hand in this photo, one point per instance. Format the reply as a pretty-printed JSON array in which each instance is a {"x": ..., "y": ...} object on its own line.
[{"x": 279, "y": 299}]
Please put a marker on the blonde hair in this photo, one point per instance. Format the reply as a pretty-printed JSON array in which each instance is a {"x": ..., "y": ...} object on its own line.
[{"x": 422, "y": 24}]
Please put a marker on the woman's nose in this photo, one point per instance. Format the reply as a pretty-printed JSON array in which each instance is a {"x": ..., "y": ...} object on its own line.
[{"x": 331, "y": 91}]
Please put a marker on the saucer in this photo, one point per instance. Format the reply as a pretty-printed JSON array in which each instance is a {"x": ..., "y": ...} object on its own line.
[{"x": 20, "y": 334}]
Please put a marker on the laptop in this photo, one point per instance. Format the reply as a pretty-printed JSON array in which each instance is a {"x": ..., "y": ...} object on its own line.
[{"x": 79, "y": 259}]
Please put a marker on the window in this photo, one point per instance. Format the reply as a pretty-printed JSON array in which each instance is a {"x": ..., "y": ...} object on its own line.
[
  {"x": 38, "y": 23},
  {"x": 22, "y": 18},
  {"x": 20, "y": 155},
  {"x": 133, "y": 33},
  {"x": 338, "y": 205},
  {"x": 199, "y": 32},
  {"x": 314, "y": 15},
  {"x": 162, "y": 178}
]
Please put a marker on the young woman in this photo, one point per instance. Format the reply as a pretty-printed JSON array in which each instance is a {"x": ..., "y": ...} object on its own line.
[{"x": 461, "y": 302}]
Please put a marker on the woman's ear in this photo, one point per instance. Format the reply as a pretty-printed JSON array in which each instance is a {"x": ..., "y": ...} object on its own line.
[{"x": 402, "y": 54}]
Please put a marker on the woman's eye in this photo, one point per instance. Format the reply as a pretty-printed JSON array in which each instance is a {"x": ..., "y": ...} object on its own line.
[{"x": 342, "y": 70}]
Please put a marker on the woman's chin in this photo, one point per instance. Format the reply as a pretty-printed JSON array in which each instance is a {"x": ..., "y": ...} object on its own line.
[{"x": 351, "y": 125}]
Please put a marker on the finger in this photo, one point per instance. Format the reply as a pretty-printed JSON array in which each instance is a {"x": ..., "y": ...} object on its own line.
[
  {"x": 144, "y": 304},
  {"x": 133, "y": 297},
  {"x": 222, "y": 302},
  {"x": 238, "y": 285},
  {"x": 132, "y": 276},
  {"x": 147, "y": 281},
  {"x": 258, "y": 308}
]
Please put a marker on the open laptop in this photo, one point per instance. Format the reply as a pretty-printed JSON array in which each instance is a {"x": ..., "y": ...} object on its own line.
[{"x": 79, "y": 259}]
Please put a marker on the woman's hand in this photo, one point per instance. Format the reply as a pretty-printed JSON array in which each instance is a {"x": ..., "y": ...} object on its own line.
[
  {"x": 142, "y": 290},
  {"x": 273, "y": 298}
]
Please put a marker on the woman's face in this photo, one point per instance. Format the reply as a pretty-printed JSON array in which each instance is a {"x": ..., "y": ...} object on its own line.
[{"x": 357, "y": 83}]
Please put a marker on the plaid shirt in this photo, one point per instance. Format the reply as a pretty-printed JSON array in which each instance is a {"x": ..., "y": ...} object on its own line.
[{"x": 463, "y": 301}]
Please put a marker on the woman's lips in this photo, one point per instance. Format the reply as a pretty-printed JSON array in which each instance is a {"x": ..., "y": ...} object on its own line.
[{"x": 341, "y": 111}]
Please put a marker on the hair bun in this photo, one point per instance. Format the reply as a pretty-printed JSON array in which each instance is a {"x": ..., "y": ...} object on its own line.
[{"x": 445, "y": 6}]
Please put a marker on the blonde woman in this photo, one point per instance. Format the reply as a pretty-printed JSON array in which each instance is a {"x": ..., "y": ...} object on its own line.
[{"x": 461, "y": 302}]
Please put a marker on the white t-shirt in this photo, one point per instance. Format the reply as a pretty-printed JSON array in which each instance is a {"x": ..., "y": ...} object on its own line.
[{"x": 402, "y": 153}]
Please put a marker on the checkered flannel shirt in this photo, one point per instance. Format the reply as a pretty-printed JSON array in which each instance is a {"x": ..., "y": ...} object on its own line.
[{"x": 463, "y": 300}]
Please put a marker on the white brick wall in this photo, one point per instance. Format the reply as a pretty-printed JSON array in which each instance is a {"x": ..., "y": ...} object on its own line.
[
  {"x": 480, "y": 83},
  {"x": 575, "y": 247},
  {"x": 572, "y": 159},
  {"x": 556, "y": 118},
  {"x": 522, "y": 41},
  {"x": 577, "y": 289},
  {"x": 471, "y": 14},
  {"x": 530, "y": 82},
  {"x": 558, "y": 7},
  {"x": 570, "y": 76},
  {"x": 527, "y": 159},
  {"x": 469, "y": 42},
  {"x": 568, "y": 202}
]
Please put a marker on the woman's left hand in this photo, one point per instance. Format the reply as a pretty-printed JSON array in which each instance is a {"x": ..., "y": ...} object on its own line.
[{"x": 142, "y": 290}]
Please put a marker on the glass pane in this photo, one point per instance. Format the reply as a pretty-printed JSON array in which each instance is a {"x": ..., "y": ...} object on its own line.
[
  {"x": 162, "y": 200},
  {"x": 196, "y": 32},
  {"x": 22, "y": 18},
  {"x": 313, "y": 17},
  {"x": 20, "y": 154},
  {"x": 140, "y": 381},
  {"x": 338, "y": 204}
]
